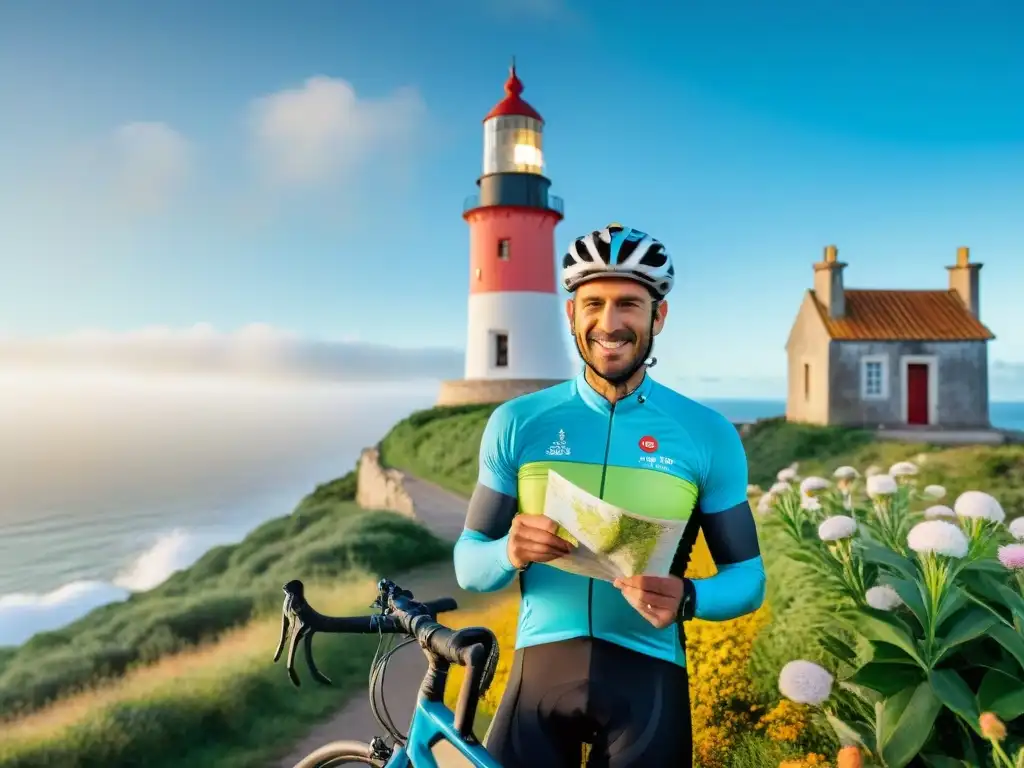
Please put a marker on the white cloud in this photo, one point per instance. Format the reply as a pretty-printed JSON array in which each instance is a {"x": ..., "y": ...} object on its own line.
[
  {"x": 255, "y": 351},
  {"x": 322, "y": 130},
  {"x": 137, "y": 168},
  {"x": 150, "y": 164}
]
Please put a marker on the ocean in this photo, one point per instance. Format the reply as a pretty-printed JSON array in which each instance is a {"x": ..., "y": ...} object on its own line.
[{"x": 108, "y": 486}]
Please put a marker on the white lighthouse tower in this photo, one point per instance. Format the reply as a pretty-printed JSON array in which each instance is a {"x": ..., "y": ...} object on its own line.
[{"x": 516, "y": 326}]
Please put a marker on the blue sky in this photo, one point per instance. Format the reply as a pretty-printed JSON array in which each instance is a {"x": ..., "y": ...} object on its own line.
[{"x": 745, "y": 138}]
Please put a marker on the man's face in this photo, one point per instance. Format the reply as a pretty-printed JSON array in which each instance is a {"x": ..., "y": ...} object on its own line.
[{"x": 611, "y": 320}]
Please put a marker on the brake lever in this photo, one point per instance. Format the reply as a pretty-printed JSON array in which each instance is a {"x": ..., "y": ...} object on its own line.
[
  {"x": 291, "y": 588},
  {"x": 319, "y": 676},
  {"x": 294, "y": 602}
]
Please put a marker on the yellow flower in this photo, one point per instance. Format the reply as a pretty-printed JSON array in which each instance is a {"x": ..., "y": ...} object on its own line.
[
  {"x": 807, "y": 761},
  {"x": 721, "y": 694},
  {"x": 785, "y": 722}
]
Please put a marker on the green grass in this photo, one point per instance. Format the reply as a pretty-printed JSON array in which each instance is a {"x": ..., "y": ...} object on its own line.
[
  {"x": 774, "y": 443},
  {"x": 226, "y": 705},
  {"x": 440, "y": 444},
  {"x": 995, "y": 469},
  {"x": 326, "y": 537},
  {"x": 801, "y": 607}
]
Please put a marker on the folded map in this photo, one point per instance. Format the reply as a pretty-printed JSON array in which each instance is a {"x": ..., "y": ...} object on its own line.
[{"x": 610, "y": 541}]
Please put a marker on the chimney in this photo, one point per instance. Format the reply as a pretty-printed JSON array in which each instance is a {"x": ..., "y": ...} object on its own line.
[
  {"x": 963, "y": 278},
  {"x": 828, "y": 282}
]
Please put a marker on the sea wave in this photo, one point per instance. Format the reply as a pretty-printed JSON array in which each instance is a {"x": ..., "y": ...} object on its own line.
[{"x": 23, "y": 614}]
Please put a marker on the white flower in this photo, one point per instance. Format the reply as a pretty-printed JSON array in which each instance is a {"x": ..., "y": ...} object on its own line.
[
  {"x": 939, "y": 537},
  {"x": 978, "y": 505},
  {"x": 764, "y": 504},
  {"x": 779, "y": 488},
  {"x": 837, "y": 527},
  {"x": 805, "y": 682},
  {"x": 934, "y": 492},
  {"x": 939, "y": 510},
  {"x": 845, "y": 473},
  {"x": 811, "y": 485},
  {"x": 921, "y": 458},
  {"x": 1017, "y": 528},
  {"x": 872, "y": 470},
  {"x": 786, "y": 475},
  {"x": 903, "y": 469},
  {"x": 883, "y": 597},
  {"x": 810, "y": 503},
  {"x": 881, "y": 485}
]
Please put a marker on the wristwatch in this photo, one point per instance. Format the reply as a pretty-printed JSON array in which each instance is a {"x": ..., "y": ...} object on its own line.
[{"x": 688, "y": 606}]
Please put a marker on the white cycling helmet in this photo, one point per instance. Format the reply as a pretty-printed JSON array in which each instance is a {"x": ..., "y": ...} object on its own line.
[{"x": 618, "y": 251}]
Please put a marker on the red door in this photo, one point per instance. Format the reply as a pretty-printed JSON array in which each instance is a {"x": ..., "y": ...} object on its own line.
[{"x": 917, "y": 393}]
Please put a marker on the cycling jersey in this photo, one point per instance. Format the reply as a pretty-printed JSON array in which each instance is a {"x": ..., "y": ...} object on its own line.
[{"x": 653, "y": 452}]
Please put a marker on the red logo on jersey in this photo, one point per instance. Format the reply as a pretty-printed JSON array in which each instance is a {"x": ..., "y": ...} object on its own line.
[{"x": 648, "y": 444}]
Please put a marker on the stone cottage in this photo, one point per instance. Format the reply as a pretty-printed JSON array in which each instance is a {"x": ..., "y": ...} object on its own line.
[{"x": 890, "y": 359}]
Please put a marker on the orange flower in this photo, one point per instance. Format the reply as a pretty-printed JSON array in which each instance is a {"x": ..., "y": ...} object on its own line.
[
  {"x": 849, "y": 757},
  {"x": 992, "y": 727}
]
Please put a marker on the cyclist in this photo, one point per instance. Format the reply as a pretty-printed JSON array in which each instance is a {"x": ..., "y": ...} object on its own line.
[{"x": 599, "y": 662}]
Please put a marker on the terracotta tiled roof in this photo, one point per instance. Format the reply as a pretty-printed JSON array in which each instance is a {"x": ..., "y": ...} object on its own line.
[{"x": 879, "y": 315}]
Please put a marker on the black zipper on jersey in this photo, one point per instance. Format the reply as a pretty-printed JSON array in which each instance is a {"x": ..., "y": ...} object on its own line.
[{"x": 600, "y": 493}]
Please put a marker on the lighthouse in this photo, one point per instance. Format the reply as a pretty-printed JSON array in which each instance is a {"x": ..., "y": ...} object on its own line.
[{"x": 516, "y": 326}]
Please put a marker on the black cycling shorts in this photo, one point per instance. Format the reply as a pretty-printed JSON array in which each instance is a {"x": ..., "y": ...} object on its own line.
[{"x": 634, "y": 710}]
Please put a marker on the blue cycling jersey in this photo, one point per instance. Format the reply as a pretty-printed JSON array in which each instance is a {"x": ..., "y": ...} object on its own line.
[{"x": 653, "y": 452}]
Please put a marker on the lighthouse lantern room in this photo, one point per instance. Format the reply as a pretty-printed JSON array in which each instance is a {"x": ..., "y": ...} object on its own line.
[{"x": 516, "y": 328}]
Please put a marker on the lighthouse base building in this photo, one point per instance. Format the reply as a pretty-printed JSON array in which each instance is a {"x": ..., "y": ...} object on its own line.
[{"x": 516, "y": 326}]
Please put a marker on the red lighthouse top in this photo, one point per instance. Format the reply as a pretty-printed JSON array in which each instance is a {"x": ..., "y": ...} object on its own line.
[{"x": 513, "y": 103}]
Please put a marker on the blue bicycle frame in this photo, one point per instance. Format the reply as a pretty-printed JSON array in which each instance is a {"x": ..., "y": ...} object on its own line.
[{"x": 432, "y": 721}]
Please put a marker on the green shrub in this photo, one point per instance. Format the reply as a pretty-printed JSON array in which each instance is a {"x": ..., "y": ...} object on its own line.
[
  {"x": 234, "y": 719},
  {"x": 772, "y": 444}
]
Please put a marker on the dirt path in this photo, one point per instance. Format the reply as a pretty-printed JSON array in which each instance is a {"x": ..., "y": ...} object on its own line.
[{"x": 444, "y": 513}]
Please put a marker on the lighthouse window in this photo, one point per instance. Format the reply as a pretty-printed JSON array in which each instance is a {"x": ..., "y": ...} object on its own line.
[
  {"x": 501, "y": 350},
  {"x": 504, "y": 249}
]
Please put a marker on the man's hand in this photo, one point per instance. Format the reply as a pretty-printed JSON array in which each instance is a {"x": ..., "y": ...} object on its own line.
[
  {"x": 656, "y": 598},
  {"x": 532, "y": 539}
]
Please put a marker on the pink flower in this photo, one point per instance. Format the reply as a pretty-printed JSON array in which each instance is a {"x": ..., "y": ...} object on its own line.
[{"x": 1012, "y": 556}]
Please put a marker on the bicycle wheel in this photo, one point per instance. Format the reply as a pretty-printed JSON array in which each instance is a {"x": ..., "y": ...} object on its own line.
[{"x": 340, "y": 753}]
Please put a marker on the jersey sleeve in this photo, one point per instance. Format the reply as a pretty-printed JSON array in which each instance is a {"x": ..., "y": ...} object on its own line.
[
  {"x": 729, "y": 529},
  {"x": 481, "y": 553}
]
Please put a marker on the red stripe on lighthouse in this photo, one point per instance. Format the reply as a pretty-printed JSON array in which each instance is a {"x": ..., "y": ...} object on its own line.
[{"x": 530, "y": 234}]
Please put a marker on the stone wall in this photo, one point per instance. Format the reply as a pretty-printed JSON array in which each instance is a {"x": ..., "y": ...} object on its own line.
[
  {"x": 379, "y": 487},
  {"x": 479, "y": 391},
  {"x": 959, "y": 385}
]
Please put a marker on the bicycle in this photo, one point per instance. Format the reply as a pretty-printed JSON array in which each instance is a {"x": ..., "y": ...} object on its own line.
[{"x": 475, "y": 648}]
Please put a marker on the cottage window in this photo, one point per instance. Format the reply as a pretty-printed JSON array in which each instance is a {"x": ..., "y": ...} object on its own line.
[
  {"x": 874, "y": 378},
  {"x": 807, "y": 381}
]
